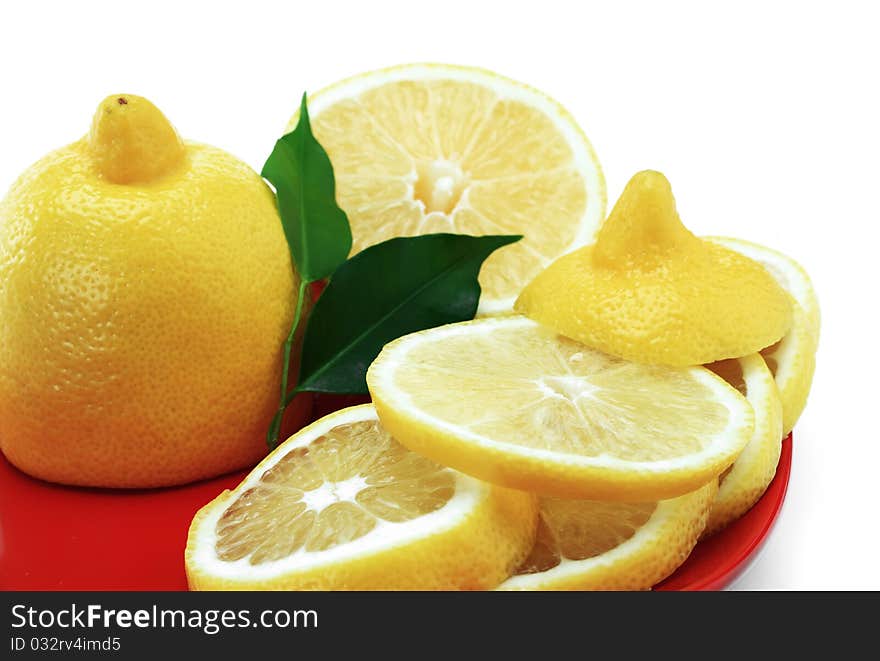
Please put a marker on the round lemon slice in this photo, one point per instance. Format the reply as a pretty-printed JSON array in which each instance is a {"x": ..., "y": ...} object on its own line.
[
  {"x": 595, "y": 545},
  {"x": 426, "y": 148},
  {"x": 741, "y": 485},
  {"x": 792, "y": 360},
  {"x": 342, "y": 505},
  {"x": 509, "y": 401}
]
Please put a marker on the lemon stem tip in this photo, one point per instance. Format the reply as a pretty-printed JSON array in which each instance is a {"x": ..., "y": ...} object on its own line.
[
  {"x": 644, "y": 218},
  {"x": 131, "y": 141}
]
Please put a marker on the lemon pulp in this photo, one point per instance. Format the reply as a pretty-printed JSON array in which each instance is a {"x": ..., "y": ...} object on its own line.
[
  {"x": 580, "y": 529},
  {"x": 593, "y": 545},
  {"x": 511, "y": 402},
  {"x": 340, "y": 505},
  {"x": 334, "y": 491},
  {"x": 559, "y": 395}
]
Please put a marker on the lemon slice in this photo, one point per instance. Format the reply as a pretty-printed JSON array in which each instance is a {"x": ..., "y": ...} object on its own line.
[
  {"x": 792, "y": 360},
  {"x": 509, "y": 401},
  {"x": 341, "y": 505},
  {"x": 427, "y": 148},
  {"x": 744, "y": 483},
  {"x": 595, "y": 545}
]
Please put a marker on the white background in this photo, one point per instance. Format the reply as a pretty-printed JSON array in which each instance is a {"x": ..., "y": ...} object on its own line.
[{"x": 764, "y": 116}]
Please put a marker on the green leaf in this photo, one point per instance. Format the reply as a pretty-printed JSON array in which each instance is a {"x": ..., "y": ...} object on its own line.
[
  {"x": 317, "y": 230},
  {"x": 393, "y": 288}
]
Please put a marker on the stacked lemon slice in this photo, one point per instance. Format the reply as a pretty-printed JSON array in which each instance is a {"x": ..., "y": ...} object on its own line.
[{"x": 636, "y": 402}]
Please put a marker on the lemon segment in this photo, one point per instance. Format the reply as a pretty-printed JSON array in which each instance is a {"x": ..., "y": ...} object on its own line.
[
  {"x": 745, "y": 481},
  {"x": 650, "y": 291},
  {"x": 342, "y": 505},
  {"x": 419, "y": 149},
  {"x": 510, "y": 402},
  {"x": 596, "y": 545},
  {"x": 792, "y": 360}
]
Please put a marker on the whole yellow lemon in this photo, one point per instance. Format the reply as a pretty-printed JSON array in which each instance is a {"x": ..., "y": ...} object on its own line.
[{"x": 146, "y": 290}]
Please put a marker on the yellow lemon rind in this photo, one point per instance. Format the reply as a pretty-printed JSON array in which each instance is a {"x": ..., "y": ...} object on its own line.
[
  {"x": 754, "y": 469},
  {"x": 796, "y": 279},
  {"x": 795, "y": 354},
  {"x": 796, "y": 364},
  {"x": 676, "y": 320},
  {"x": 147, "y": 363}
]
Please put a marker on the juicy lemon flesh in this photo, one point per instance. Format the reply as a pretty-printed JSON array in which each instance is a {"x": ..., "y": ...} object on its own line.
[
  {"x": 334, "y": 491},
  {"x": 596, "y": 545},
  {"x": 558, "y": 395},
  {"x": 581, "y": 529},
  {"x": 442, "y": 155}
]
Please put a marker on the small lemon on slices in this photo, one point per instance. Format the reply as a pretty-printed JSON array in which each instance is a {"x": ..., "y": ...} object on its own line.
[
  {"x": 511, "y": 402},
  {"x": 427, "y": 148},
  {"x": 650, "y": 291},
  {"x": 595, "y": 545},
  {"x": 745, "y": 481},
  {"x": 342, "y": 505},
  {"x": 793, "y": 359}
]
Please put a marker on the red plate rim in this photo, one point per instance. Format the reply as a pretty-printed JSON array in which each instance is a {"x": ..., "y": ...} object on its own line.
[
  {"x": 65, "y": 538},
  {"x": 717, "y": 562}
]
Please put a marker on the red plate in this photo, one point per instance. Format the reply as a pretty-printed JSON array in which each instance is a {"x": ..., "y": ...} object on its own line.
[
  {"x": 718, "y": 561},
  {"x": 65, "y": 538}
]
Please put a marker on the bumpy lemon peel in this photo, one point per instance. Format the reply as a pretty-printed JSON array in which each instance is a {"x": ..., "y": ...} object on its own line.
[
  {"x": 145, "y": 289},
  {"x": 131, "y": 141},
  {"x": 650, "y": 291}
]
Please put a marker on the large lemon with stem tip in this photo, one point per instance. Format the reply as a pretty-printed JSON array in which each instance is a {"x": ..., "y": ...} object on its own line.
[{"x": 146, "y": 290}]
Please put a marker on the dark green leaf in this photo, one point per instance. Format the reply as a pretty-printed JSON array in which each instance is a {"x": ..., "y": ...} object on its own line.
[
  {"x": 316, "y": 228},
  {"x": 393, "y": 288}
]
